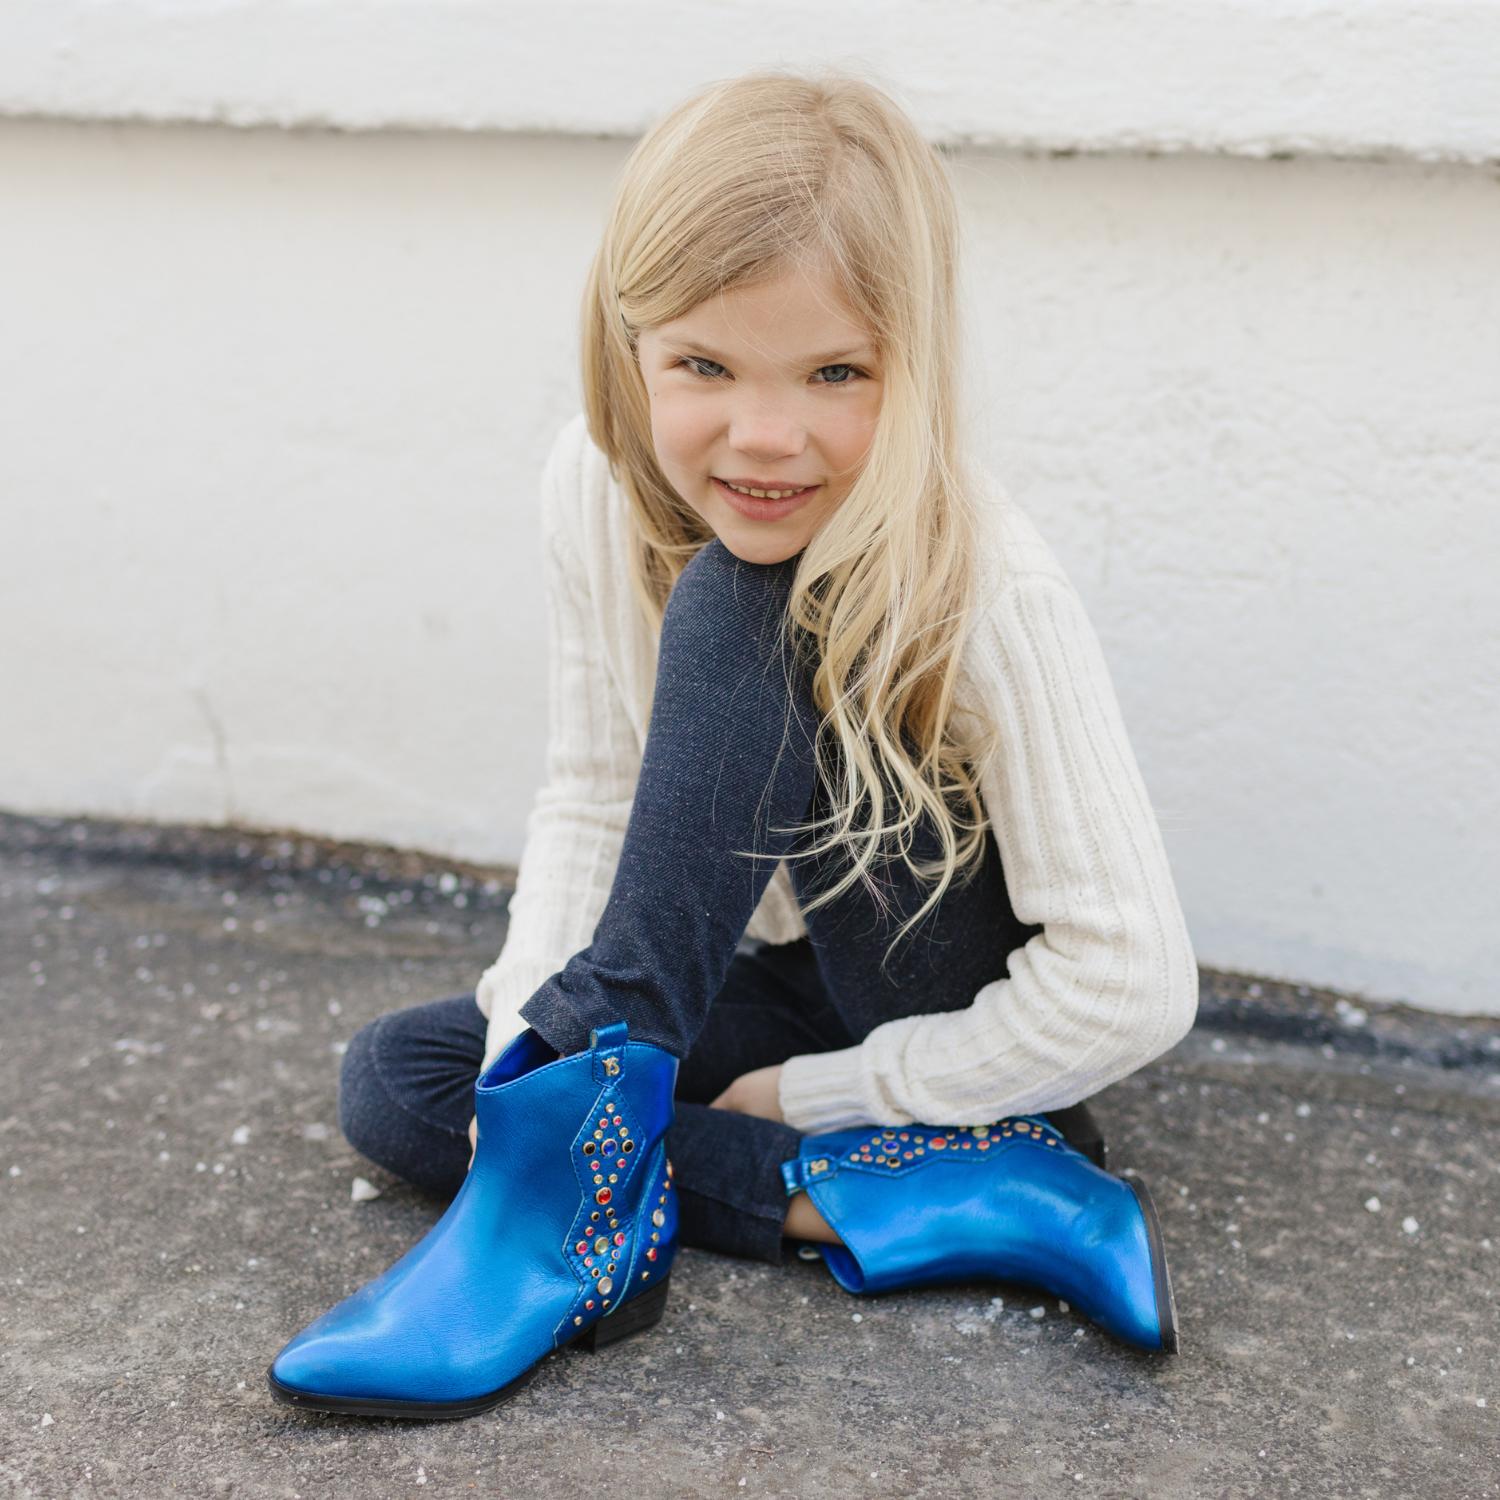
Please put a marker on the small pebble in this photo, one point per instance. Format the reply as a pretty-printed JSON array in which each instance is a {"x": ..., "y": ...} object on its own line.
[
  {"x": 362, "y": 1190},
  {"x": 1410, "y": 1225},
  {"x": 1373, "y": 1204}
]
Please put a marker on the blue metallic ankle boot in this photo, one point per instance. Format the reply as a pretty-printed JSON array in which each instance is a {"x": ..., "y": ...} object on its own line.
[
  {"x": 1013, "y": 1201},
  {"x": 563, "y": 1232}
]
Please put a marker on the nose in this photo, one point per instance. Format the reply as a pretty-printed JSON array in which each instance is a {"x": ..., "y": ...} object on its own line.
[{"x": 766, "y": 437}]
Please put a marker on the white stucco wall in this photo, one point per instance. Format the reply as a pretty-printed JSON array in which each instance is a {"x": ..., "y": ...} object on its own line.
[{"x": 275, "y": 401}]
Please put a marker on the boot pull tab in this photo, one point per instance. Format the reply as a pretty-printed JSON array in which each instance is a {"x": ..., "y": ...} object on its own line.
[
  {"x": 608, "y": 1045},
  {"x": 800, "y": 1170}
]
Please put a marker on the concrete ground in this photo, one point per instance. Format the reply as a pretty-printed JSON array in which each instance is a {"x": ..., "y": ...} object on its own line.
[{"x": 176, "y": 1201}]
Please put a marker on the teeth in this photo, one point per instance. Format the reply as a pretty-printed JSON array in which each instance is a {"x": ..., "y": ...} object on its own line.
[{"x": 764, "y": 494}]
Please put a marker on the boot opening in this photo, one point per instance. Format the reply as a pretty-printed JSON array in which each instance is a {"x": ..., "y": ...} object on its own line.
[{"x": 527, "y": 1053}]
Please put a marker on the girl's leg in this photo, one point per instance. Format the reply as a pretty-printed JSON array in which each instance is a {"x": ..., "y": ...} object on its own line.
[
  {"x": 728, "y": 759},
  {"x": 406, "y": 1095},
  {"x": 727, "y": 1166},
  {"x": 406, "y": 1091}
]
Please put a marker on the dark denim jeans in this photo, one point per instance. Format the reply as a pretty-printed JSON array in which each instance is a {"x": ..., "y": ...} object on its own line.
[{"x": 728, "y": 764}]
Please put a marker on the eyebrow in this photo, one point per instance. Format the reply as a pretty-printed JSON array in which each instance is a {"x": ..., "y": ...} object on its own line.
[{"x": 864, "y": 350}]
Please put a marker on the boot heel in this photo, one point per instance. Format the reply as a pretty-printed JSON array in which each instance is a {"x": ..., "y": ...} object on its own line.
[
  {"x": 1166, "y": 1303},
  {"x": 635, "y": 1316}
]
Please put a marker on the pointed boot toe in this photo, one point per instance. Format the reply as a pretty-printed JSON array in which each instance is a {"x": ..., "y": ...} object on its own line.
[
  {"x": 1012, "y": 1201},
  {"x": 563, "y": 1232}
]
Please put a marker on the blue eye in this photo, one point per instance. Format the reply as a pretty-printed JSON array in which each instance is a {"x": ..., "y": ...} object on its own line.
[
  {"x": 691, "y": 366},
  {"x": 691, "y": 363}
]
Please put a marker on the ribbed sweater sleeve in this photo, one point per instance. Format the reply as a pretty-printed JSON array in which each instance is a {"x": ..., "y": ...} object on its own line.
[
  {"x": 1111, "y": 980},
  {"x": 576, "y": 826}
]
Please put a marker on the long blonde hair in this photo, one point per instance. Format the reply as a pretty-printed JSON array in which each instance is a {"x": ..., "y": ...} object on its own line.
[{"x": 744, "y": 180}]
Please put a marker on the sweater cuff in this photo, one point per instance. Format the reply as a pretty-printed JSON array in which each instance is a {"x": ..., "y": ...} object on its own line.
[{"x": 824, "y": 1091}]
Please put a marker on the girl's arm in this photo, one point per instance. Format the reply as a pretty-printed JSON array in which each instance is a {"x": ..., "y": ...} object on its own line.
[
  {"x": 577, "y": 822},
  {"x": 1111, "y": 981}
]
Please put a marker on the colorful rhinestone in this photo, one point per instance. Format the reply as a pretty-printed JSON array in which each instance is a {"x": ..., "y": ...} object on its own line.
[{"x": 884, "y": 1148}]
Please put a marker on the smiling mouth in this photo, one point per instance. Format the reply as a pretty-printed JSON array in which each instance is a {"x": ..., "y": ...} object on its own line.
[{"x": 771, "y": 492}]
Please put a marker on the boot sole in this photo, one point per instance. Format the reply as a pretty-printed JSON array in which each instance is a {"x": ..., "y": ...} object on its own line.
[
  {"x": 1166, "y": 1303},
  {"x": 641, "y": 1312}
]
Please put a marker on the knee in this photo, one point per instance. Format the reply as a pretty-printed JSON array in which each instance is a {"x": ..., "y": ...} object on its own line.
[
  {"x": 362, "y": 1102},
  {"x": 722, "y": 600}
]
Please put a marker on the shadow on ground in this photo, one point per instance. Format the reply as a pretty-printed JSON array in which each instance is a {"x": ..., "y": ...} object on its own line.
[{"x": 175, "y": 1202}]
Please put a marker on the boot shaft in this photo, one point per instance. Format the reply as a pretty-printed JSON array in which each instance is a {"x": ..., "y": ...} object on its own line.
[{"x": 572, "y": 1155}]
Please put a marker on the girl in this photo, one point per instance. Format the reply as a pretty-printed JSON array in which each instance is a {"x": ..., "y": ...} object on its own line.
[{"x": 784, "y": 604}]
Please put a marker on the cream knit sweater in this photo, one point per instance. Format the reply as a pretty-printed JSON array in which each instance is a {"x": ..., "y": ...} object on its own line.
[{"x": 1108, "y": 984}]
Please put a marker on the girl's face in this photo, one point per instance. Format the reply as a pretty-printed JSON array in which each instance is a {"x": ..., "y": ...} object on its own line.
[{"x": 770, "y": 387}]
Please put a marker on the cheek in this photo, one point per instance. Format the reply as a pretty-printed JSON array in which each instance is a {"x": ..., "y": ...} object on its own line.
[
  {"x": 678, "y": 432},
  {"x": 848, "y": 443}
]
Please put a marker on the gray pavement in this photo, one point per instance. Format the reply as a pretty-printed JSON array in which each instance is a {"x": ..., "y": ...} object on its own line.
[{"x": 176, "y": 1201}]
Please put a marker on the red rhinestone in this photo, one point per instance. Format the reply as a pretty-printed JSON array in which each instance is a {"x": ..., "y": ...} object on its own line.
[
  {"x": 620, "y": 1238},
  {"x": 651, "y": 1253},
  {"x": 588, "y": 1260},
  {"x": 603, "y": 1122},
  {"x": 603, "y": 1195},
  {"x": 581, "y": 1246},
  {"x": 589, "y": 1303},
  {"x": 617, "y": 1119},
  {"x": 938, "y": 1143}
]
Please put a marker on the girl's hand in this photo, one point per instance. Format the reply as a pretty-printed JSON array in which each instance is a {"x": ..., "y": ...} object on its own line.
[{"x": 754, "y": 1093}]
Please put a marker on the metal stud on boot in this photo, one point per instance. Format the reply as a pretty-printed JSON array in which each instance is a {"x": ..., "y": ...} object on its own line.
[
  {"x": 563, "y": 1232},
  {"x": 1012, "y": 1201}
]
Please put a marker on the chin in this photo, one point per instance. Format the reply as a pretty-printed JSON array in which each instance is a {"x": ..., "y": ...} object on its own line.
[{"x": 761, "y": 547}]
